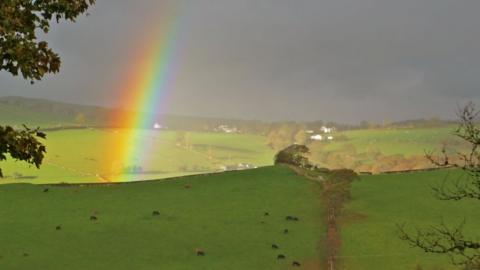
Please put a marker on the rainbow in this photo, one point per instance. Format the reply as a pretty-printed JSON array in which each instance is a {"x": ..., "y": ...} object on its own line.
[{"x": 143, "y": 92}]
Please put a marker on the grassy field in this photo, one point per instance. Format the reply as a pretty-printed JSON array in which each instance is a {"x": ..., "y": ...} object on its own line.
[
  {"x": 369, "y": 236},
  {"x": 223, "y": 214},
  {"x": 377, "y": 150},
  {"x": 396, "y": 141},
  {"x": 75, "y": 156}
]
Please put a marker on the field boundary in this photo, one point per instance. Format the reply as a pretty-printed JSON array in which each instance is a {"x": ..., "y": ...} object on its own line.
[{"x": 407, "y": 171}]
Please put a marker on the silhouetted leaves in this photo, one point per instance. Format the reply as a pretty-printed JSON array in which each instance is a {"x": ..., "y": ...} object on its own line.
[
  {"x": 20, "y": 21},
  {"x": 21, "y": 145}
]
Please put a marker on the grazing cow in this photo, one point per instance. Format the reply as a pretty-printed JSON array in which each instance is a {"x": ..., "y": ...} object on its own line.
[
  {"x": 58, "y": 228},
  {"x": 295, "y": 263},
  {"x": 289, "y": 218},
  {"x": 25, "y": 254},
  {"x": 46, "y": 190},
  {"x": 285, "y": 231},
  {"x": 199, "y": 252},
  {"x": 93, "y": 218},
  {"x": 280, "y": 257},
  {"x": 156, "y": 213},
  {"x": 266, "y": 214},
  {"x": 295, "y": 219},
  {"x": 187, "y": 186},
  {"x": 274, "y": 246}
]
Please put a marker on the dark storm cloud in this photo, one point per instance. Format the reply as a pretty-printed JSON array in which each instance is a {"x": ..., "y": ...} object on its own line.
[{"x": 343, "y": 60}]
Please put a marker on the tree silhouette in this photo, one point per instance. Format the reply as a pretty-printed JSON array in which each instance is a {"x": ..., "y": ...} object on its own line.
[{"x": 22, "y": 53}]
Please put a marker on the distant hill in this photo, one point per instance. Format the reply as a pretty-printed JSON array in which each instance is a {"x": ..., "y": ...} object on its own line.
[
  {"x": 50, "y": 114},
  {"x": 47, "y": 113}
]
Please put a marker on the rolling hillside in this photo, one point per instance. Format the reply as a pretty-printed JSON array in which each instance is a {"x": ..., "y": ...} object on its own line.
[{"x": 224, "y": 215}]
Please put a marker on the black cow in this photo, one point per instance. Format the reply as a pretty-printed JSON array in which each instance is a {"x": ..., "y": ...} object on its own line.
[
  {"x": 156, "y": 213},
  {"x": 266, "y": 214},
  {"x": 285, "y": 231},
  {"x": 46, "y": 190},
  {"x": 295, "y": 263},
  {"x": 200, "y": 252},
  {"x": 93, "y": 218},
  {"x": 58, "y": 228},
  {"x": 274, "y": 246},
  {"x": 280, "y": 257}
]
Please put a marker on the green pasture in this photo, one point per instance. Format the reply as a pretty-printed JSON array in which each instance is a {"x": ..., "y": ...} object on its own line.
[
  {"x": 385, "y": 149},
  {"x": 222, "y": 214},
  {"x": 397, "y": 141},
  {"x": 75, "y": 156},
  {"x": 369, "y": 234}
]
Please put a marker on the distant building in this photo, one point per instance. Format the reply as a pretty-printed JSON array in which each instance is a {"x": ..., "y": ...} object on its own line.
[
  {"x": 236, "y": 167},
  {"x": 309, "y": 131},
  {"x": 157, "y": 126},
  {"x": 330, "y": 138},
  {"x": 316, "y": 137},
  {"x": 226, "y": 129}
]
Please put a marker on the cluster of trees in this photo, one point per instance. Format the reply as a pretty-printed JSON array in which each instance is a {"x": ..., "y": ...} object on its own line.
[
  {"x": 295, "y": 155},
  {"x": 371, "y": 160},
  {"x": 283, "y": 135}
]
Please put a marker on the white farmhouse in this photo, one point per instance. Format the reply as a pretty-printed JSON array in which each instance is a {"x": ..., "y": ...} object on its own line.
[
  {"x": 330, "y": 138},
  {"x": 157, "y": 126},
  {"x": 226, "y": 129},
  {"x": 316, "y": 137}
]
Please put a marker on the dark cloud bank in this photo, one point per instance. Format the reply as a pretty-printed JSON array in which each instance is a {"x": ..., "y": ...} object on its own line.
[{"x": 342, "y": 60}]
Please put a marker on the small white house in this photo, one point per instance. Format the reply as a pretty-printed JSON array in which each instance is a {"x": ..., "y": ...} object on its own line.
[
  {"x": 330, "y": 138},
  {"x": 316, "y": 137},
  {"x": 309, "y": 131},
  {"x": 157, "y": 126},
  {"x": 226, "y": 129}
]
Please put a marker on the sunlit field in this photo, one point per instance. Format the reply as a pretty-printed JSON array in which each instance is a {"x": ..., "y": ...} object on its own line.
[
  {"x": 370, "y": 239},
  {"x": 75, "y": 156}
]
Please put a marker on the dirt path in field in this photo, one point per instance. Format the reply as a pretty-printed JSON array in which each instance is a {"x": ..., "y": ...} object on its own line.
[
  {"x": 333, "y": 240},
  {"x": 336, "y": 192}
]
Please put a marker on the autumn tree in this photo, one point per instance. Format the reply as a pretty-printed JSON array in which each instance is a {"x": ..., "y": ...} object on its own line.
[
  {"x": 22, "y": 53},
  {"x": 443, "y": 239},
  {"x": 80, "y": 119},
  {"x": 300, "y": 137},
  {"x": 282, "y": 136}
]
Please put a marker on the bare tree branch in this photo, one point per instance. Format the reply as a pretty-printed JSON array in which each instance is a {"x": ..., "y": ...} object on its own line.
[{"x": 442, "y": 239}]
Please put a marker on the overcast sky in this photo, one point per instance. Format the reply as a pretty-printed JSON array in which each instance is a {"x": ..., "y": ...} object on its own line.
[{"x": 341, "y": 60}]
